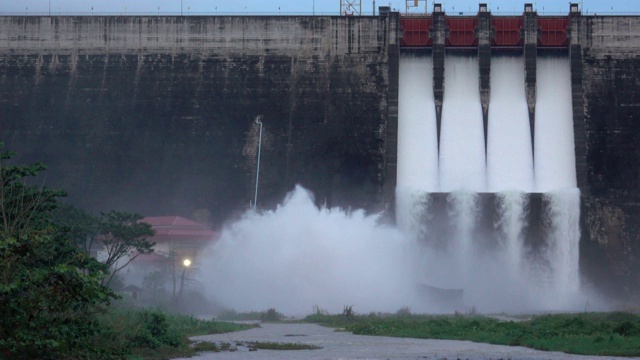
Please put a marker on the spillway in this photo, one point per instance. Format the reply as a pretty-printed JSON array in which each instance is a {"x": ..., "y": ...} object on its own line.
[
  {"x": 555, "y": 156},
  {"x": 556, "y": 173},
  {"x": 417, "y": 140},
  {"x": 501, "y": 225},
  {"x": 509, "y": 157},
  {"x": 462, "y": 159}
]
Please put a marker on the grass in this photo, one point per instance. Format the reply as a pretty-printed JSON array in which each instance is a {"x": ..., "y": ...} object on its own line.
[
  {"x": 610, "y": 334},
  {"x": 191, "y": 326},
  {"x": 282, "y": 346},
  {"x": 269, "y": 315},
  {"x": 150, "y": 334}
]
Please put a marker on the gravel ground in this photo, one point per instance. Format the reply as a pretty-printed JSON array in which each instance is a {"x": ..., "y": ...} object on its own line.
[{"x": 343, "y": 345}]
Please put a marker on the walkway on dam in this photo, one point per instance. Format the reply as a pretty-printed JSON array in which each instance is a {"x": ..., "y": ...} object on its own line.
[{"x": 344, "y": 345}]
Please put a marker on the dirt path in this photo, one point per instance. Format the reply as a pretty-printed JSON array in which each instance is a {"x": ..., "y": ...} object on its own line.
[{"x": 343, "y": 345}]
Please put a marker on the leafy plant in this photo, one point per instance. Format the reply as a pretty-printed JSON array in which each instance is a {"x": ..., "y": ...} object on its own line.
[
  {"x": 49, "y": 290},
  {"x": 404, "y": 311},
  {"x": 348, "y": 312},
  {"x": 271, "y": 315},
  {"x": 122, "y": 235}
]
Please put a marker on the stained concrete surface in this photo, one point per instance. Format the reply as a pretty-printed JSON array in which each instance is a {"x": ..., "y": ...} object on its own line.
[{"x": 344, "y": 345}]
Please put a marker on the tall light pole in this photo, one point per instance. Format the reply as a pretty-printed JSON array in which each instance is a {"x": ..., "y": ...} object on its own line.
[
  {"x": 181, "y": 7},
  {"x": 255, "y": 197},
  {"x": 186, "y": 264}
]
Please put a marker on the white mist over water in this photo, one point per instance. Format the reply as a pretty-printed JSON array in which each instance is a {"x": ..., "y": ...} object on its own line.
[
  {"x": 462, "y": 152},
  {"x": 511, "y": 209},
  {"x": 463, "y": 213},
  {"x": 564, "y": 246},
  {"x": 299, "y": 256}
]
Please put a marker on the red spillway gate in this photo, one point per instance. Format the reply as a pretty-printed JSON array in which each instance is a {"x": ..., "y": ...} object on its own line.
[
  {"x": 415, "y": 31},
  {"x": 507, "y": 31},
  {"x": 553, "y": 31},
  {"x": 462, "y": 31}
]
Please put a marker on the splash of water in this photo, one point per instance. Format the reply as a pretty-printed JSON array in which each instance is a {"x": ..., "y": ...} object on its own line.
[
  {"x": 463, "y": 214},
  {"x": 299, "y": 256},
  {"x": 512, "y": 215},
  {"x": 563, "y": 245}
]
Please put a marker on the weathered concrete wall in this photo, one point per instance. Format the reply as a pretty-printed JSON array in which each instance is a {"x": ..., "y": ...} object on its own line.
[
  {"x": 156, "y": 114},
  {"x": 608, "y": 146}
]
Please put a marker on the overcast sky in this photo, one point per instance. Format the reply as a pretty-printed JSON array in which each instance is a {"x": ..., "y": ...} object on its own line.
[{"x": 326, "y": 7}]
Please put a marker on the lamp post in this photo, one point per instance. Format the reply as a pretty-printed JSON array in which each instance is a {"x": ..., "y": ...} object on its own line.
[
  {"x": 255, "y": 198},
  {"x": 186, "y": 264}
]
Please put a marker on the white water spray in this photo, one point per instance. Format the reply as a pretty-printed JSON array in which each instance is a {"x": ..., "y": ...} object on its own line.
[
  {"x": 564, "y": 246},
  {"x": 511, "y": 209},
  {"x": 299, "y": 256},
  {"x": 463, "y": 213}
]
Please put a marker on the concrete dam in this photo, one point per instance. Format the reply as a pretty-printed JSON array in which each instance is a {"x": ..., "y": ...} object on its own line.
[{"x": 158, "y": 115}]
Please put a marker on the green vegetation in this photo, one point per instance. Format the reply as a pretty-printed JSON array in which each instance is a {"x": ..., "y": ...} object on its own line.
[
  {"x": 121, "y": 233},
  {"x": 150, "y": 334},
  {"x": 348, "y": 316},
  {"x": 269, "y": 315},
  {"x": 282, "y": 346},
  {"x": 612, "y": 334},
  {"x": 47, "y": 305},
  {"x": 54, "y": 302},
  {"x": 251, "y": 346}
]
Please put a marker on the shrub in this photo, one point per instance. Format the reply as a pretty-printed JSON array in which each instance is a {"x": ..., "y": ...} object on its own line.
[{"x": 271, "y": 315}]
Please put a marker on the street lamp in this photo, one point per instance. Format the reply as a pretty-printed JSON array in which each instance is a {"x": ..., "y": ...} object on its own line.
[
  {"x": 255, "y": 198},
  {"x": 186, "y": 264}
]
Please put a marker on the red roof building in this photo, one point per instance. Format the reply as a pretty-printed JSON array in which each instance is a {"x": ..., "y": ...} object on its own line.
[{"x": 185, "y": 237}]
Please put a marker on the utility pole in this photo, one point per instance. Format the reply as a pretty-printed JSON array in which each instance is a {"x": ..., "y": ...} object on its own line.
[{"x": 255, "y": 198}]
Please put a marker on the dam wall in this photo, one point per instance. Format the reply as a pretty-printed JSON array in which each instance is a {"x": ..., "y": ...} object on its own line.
[
  {"x": 158, "y": 114},
  {"x": 608, "y": 140}
]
